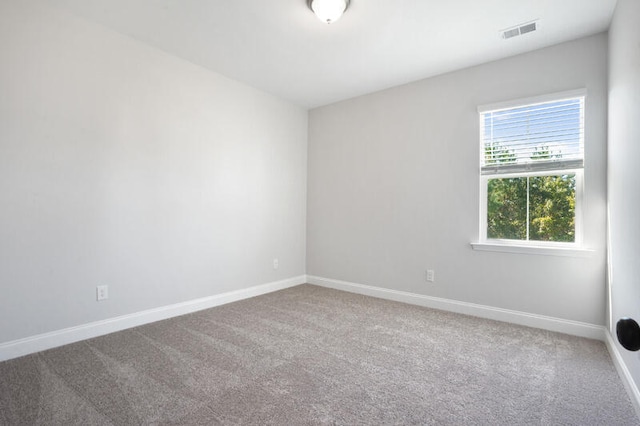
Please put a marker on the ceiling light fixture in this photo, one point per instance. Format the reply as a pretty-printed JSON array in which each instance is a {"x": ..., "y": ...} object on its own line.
[{"x": 328, "y": 11}]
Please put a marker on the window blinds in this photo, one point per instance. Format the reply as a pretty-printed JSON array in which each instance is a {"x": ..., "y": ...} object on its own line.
[{"x": 536, "y": 137}]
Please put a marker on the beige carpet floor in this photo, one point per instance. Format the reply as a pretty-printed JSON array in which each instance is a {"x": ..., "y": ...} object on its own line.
[{"x": 310, "y": 355}]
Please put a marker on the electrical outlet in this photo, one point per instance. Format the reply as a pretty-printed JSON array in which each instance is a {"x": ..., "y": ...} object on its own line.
[
  {"x": 102, "y": 292},
  {"x": 431, "y": 275},
  {"x": 275, "y": 263}
]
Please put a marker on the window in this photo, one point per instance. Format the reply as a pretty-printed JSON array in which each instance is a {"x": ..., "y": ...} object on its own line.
[{"x": 532, "y": 159}]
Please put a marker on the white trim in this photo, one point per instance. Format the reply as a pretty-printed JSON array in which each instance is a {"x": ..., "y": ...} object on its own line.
[
  {"x": 531, "y": 249},
  {"x": 623, "y": 372},
  {"x": 558, "y": 96},
  {"x": 560, "y": 325},
  {"x": 29, "y": 345}
]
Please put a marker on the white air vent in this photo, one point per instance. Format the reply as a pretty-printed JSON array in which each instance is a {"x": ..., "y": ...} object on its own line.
[{"x": 529, "y": 27}]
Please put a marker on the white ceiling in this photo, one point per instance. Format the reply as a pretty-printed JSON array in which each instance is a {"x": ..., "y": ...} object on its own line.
[{"x": 279, "y": 46}]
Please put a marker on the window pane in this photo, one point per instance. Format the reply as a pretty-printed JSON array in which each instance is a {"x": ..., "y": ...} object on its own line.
[
  {"x": 552, "y": 206},
  {"x": 507, "y": 208}
]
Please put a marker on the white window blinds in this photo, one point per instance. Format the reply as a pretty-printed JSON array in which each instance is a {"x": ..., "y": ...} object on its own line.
[{"x": 534, "y": 137}]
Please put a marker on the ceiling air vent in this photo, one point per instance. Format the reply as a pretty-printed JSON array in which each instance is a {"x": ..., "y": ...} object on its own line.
[{"x": 519, "y": 30}]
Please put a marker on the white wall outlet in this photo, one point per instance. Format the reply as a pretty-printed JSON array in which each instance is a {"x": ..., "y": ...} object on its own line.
[
  {"x": 102, "y": 292},
  {"x": 431, "y": 275},
  {"x": 275, "y": 263}
]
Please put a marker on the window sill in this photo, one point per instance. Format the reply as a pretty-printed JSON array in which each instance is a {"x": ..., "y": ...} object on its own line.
[{"x": 539, "y": 250}]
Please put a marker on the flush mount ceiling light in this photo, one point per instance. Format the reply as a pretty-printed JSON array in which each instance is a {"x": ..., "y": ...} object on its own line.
[{"x": 328, "y": 11}]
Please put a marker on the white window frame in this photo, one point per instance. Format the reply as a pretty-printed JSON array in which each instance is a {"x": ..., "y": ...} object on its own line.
[{"x": 575, "y": 248}]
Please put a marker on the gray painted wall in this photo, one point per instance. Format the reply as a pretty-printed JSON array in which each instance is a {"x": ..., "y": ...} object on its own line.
[
  {"x": 121, "y": 165},
  {"x": 624, "y": 180},
  {"x": 394, "y": 180}
]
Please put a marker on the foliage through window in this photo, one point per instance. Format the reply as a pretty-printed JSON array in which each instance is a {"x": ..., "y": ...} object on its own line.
[{"x": 531, "y": 169}]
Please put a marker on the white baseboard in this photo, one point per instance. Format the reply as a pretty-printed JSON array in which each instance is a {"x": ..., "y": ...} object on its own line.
[
  {"x": 29, "y": 345},
  {"x": 574, "y": 328},
  {"x": 623, "y": 372}
]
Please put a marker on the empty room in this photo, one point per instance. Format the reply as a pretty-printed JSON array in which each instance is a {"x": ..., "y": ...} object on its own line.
[{"x": 308, "y": 212}]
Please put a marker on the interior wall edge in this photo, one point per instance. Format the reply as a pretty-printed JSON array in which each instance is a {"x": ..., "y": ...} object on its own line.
[
  {"x": 560, "y": 325},
  {"x": 624, "y": 373},
  {"x": 41, "y": 342}
]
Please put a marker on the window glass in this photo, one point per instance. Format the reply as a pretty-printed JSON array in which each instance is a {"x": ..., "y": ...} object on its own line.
[{"x": 531, "y": 168}]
